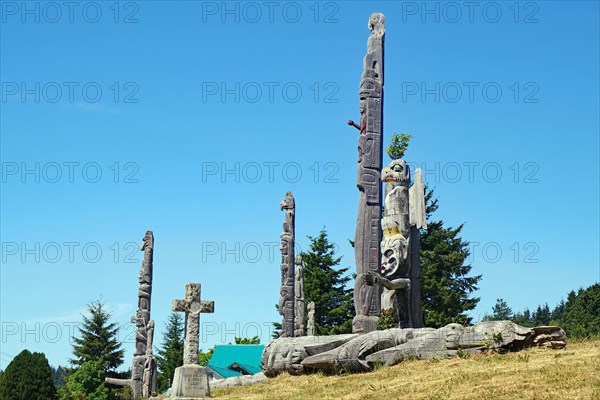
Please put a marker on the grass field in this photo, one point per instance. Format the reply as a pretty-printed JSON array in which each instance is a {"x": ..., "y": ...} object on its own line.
[{"x": 571, "y": 373}]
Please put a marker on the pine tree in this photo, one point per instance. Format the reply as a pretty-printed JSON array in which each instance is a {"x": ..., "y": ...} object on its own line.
[
  {"x": 170, "y": 355},
  {"x": 28, "y": 377},
  {"x": 243, "y": 340},
  {"x": 523, "y": 318},
  {"x": 60, "y": 376},
  {"x": 558, "y": 313},
  {"x": 326, "y": 286},
  {"x": 98, "y": 341},
  {"x": 500, "y": 312},
  {"x": 445, "y": 283},
  {"x": 582, "y": 313},
  {"x": 541, "y": 316}
]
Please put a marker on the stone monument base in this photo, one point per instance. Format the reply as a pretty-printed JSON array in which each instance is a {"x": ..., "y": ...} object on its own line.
[
  {"x": 364, "y": 324},
  {"x": 190, "y": 383}
]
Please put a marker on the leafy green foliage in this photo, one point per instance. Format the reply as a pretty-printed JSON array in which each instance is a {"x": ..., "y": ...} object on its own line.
[
  {"x": 276, "y": 327},
  {"x": 386, "y": 320},
  {"x": 326, "y": 286},
  {"x": 582, "y": 312},
  {"x": 500, "y": 312},
  {"x": 60, "y": 376},
  {"x": 204, "y": 358},
  {"x": 399, "y": 144},
  {"x": 86, "y": 383},
  {"x": 28, "y": 377},
  {"x": 446, "y": 286},
  {"x": 579, "y": 316},
  {"x": 252, "y": 340},
  {"x": 170, "y": 354},
  {"x": 98, "y": 341}
]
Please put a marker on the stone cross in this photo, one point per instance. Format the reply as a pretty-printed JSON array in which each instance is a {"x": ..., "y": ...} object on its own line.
[{"x": 192, "y": 306}]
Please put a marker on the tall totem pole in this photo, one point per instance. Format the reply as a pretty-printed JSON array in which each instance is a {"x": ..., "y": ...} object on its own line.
[
  {"x": 143, "y": 371},
  {"x": 287, "y": 299},
  {"x": 367, "y": 239}
]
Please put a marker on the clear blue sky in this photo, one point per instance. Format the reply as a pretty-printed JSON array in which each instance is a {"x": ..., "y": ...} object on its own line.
[{"x": 128, "y": 124}]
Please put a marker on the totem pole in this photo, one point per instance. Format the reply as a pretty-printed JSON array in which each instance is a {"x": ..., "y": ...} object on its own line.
[
  {"x": 287, "y": 298},
  {"x": 143, "y": 371},
  {"x": 299, "y": 294},
  {"x": 310, "y": 328},
  {"x": 404, "y": 216},
  {"x": 368, "y": 232}
]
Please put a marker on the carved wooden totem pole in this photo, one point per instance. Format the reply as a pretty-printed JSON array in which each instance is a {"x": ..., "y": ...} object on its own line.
[
  {"x": 287, "y": 298},
  {"x": 143, "y": 371},
  {"x": 367, "y": 237},
  {"x": 299, "y": 294},
  {"x": 404, "y": 216}
]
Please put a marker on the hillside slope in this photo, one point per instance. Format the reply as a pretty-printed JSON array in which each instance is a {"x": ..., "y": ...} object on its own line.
[{"x": 572, "y": 373}]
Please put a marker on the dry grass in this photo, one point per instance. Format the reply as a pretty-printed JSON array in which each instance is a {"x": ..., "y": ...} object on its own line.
[{"x": 572, "y": 373}]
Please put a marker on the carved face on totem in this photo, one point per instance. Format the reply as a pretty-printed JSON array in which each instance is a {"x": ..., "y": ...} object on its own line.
[
  {"x": 288, "y": 202},
  {"x": 397, "y": 173},
  {"x": 370, "y": 85},
  {"x": 377, "y": 23},
  {"x": 147, "y": 241},
  {"x": 394, "y": 256}
]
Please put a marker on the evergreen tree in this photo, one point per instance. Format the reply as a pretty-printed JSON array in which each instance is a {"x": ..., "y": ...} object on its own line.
[
  {"x": 326, "y": 286},
  {"x": 28, "y": 377},
  {"x": 170, "y": 355},
  {"x": 86, "y": 383},
  {"x": 500, "y": 312},
  {"x": 541, "y": 316},
  {"x": 523, "y": 318},
  {"x": 60, "y": 376},
  {"x": 276, "y": 326},
  {"x": 252, "y": 340},
  {"x": 98, "y": 341},
  {"x": 445, "y": 283},
  {"x": 582, "y": 313},
  {"x": 558, "y": 313}
]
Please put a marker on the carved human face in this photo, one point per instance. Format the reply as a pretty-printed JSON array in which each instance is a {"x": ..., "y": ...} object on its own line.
[
  {"x": 394, "y": 254},
  {"x": 396, "y": 173},
  {"x": 362, "y": 106}
]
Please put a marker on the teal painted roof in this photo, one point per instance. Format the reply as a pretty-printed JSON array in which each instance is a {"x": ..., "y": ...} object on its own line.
[{"x": 245, "y": 356}]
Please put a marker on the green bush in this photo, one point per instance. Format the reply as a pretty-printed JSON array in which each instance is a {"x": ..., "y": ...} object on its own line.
[{"x": 28, "y": 377}]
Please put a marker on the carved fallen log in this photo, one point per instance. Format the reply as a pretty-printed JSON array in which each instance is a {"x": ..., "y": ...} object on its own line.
[
  {"x": 360, "y": 353},
  {"x": 238, "y": 381}
]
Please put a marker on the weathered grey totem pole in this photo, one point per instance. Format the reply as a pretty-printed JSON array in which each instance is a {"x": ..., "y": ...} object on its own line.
[
  {"x": 299, "y": 294},
  {"x": 404, "y": 215},
  {"x": 143, "y": 371},
  {"x": 287, "y": 298},
  {"x": 368, "y": 232},
  {"x": 191, "y": 380},
  {"x": 310, "y": 326}
]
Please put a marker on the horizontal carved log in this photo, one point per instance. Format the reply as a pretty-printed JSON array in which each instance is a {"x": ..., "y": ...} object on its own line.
[{"x": 360, "y": 353}]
